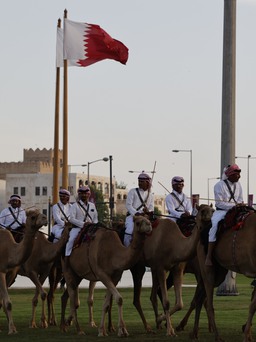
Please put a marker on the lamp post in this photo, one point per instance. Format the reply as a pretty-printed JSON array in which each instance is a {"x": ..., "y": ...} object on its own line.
[
  {"x": 111, "y": 197},
  {"x": 190, "y": 151},
  {"x": 248, "y": 174},
  {"x": 105, "y": 159},
  {"x": 208, "y": 191}
]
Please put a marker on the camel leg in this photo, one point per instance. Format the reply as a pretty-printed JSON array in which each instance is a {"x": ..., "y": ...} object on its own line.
[
  {"x": 64, "y": 300},
  {"x": 111, "y": 327},
  {"x": 177, "y": 283},
  {"x": 138, "y": 272},
  {"x": 208, "y": 276},
  {"x": 105, "y": 309},
  {"x": 7, "y": 304},
  {"x": 122, "y": 331},
  {"x": 248, "y": 325},
  {"x": 92, "y": 285},
  {"x": 197, "y": 303},
  {"x": 158, "y": 279},
  {"x": 39, "y": 290},
  {"x": 74, "y": 305},
  {"x": 54, "y": 278}
]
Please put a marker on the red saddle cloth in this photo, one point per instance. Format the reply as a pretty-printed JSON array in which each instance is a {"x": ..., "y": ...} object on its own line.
[
  {"x": 86, "y": 234},
  {"x": 235, "y": 218}
]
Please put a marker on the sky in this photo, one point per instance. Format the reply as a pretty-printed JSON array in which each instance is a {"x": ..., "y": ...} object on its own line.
[{"x": 168, "y": 95}]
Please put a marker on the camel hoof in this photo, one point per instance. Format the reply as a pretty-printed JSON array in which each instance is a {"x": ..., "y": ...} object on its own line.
[
  {"x": 179, "y": 328},
  {"x": 13, "y": 331},
  {"x": 102, "y": 334},
  {"x": 122, "y": 332},
  {"x": 111, "y": 329},
  {"x": 52, "y": 323},
  {"x": 81, "y": 332},
  {"x": 64, "y": 329},
  {"x": 193, "y": 336},
  {"x": 33, "y": 325},
  {"x": 92, "y": 324},
  {"x": 149, "y": 330}
]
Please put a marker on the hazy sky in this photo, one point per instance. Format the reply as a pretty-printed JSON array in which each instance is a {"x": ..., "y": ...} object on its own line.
[{"x": 167, "y": 97}]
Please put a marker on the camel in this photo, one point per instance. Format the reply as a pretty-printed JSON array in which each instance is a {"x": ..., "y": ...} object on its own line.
[
  {"x": 12, "y": 255},
  {"x": 37, "y": 268},
  {"x": 103, "y": 258},
  {"x": 235, "y": 251},
  {"x": 191, "y": 266},
  {"x": 166, "y": 249}
]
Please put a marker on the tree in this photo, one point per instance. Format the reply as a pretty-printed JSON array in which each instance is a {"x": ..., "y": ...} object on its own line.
[{"x": 102, "y": 207}]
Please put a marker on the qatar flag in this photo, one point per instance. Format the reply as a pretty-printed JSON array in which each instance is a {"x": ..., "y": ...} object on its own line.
[{"x": 83, "y": 44}]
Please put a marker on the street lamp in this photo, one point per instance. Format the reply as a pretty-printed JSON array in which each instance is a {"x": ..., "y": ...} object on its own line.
[
  {"x": 142, "y": 171},
  {"x": 208, "y": 180},
  {"x": 190, "y": 151},
  {"x": 81, "y": 165},
  {"x": 248, "y": 174},
  {"x": 111, "y": 197},
  {"x": 105, "y": 159}
]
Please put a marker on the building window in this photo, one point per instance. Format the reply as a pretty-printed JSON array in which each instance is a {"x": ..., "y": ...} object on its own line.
[
  {"x": 45, "y": 212},
  {"x": 106, "y": 189},
  {"x": 71, "y": 190},
  {"x": 15, "y": 190},
  {"x": 119, "y": 196},
  {"x": 100, "y": 186},
  {"x": 37, "y": 191},
  {"x": 23, "y": 191},
  {"x": 44, "y": 191}
]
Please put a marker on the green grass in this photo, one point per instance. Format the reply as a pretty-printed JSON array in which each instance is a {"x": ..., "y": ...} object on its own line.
[{"x": 230, "y": 311}]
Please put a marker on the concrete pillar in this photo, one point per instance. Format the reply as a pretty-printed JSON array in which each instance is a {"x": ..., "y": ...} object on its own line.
[{"x": 228, "y": 85}]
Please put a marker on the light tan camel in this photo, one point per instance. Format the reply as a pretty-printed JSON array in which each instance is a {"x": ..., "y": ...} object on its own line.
[
  {"x": 12, "y": 255},
  {"x": 165, "y": 250},
  {"x": 38, "y": 266},
  {"x": 104, "y": 259},
  {"x": 235, "y": 251}
]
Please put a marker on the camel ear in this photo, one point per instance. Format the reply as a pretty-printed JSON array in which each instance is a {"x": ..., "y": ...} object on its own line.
[
  {"x": 197, "y": 206},
  {"x": 211, "y": 205}
]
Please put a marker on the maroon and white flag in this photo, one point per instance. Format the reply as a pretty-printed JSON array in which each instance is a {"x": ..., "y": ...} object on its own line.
[{"x": 83, "y": 44}]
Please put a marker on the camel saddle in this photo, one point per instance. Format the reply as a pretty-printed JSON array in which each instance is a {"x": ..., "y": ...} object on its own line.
[
  {"x": 186, "y": 224},
  {"x": 17, "y": 233},
  {"x": 87, "y": 234},
  {"x": 234, "y": 218}
]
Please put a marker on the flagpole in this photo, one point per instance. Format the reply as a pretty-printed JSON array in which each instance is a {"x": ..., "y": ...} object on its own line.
[
  {"x": 56, "y": 159},
  {"x": 65, "y": 120}
]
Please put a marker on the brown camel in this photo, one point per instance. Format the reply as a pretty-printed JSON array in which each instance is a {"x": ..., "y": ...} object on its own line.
[
  {"x": 38, "y": 266},
  {"x": 13, "y": 255},
  {"x": 235, "y": 251},
  {"x": 103, "y": 258},
  {"x": 164, "y": 250}
]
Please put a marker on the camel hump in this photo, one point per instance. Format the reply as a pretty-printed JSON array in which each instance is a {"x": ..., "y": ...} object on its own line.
[{"x": 87, "y": 233}]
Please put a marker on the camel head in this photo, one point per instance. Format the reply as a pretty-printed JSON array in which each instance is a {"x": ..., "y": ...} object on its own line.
[
  {"x": 35, "y": 219},
  {"x": 142, "y": 224},
  {"x": 204, "y": 214}
]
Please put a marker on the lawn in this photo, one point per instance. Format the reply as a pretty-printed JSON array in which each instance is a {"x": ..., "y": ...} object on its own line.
[{"x": 231, "y": 312}]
